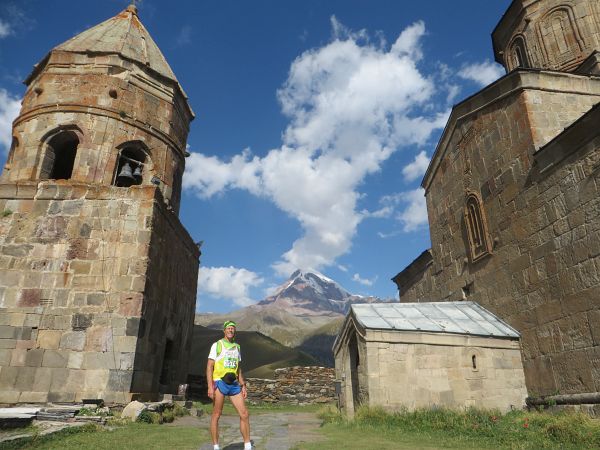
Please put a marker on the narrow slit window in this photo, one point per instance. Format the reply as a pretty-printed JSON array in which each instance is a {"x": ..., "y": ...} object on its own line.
[
  {"x": 478, "y": 240},
  {"x": 519, "y": 54},
  {"x": 474, "y": 361}
]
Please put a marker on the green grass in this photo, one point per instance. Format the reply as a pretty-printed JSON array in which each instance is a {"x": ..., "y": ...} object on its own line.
[
  {"x": 132, "y": 436},
  {"x": 375, "y": 428}
]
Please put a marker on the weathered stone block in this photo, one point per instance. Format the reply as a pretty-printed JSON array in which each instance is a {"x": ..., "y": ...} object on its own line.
[
  {"x": 74, "y": 340},
  {"x": 75, "y": 360},
  {"x": 33, "y": 397},
  {"x": 96, "y": 360},
  {"x": 81, "y": 321},
  {"x": 34, "y": 357},
  {"x": 18, "y": 358},
  {"x": 8, "y": 332},
  {"x": 25, "y": 379},
  {"x": 99, "y": 339},
  {"x": 42, "y": 379},
  {"x": 126, "y": 344},
  {"x": 8, "y": 343},
  {"x": 49, "y": 339},
  {"x": 55, "y": 358},
  {"x": 5, "y": 357},
  {"x": 29, "y": 298},
  {"x": 65, "y": 397},
  {"x": 9, "y": 396},
  {"x": 120, "y": 380}
]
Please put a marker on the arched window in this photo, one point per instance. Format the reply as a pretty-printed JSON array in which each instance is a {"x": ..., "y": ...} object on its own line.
[
  {"x": 130, "y": 165},
  {"x": 59, "y": 157},
  {"x": 479, "y": 242},
  {"x": 519, "y": 55}
]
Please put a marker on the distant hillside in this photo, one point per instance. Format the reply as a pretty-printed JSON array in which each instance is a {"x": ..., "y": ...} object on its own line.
[
  {"x": 261, "y": 355},
  {"x": 319, "y": 342},
  {"x": 305, "y": 313}
]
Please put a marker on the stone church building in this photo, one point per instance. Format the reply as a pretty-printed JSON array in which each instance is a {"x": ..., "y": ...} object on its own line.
[
  {"x": 97, "y": 274},
  {"x": 513, "y": 195}
]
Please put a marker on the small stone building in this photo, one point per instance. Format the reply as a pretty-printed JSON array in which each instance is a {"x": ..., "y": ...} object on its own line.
[
  {"x": 513, "y": 196},
  {"x": 97, "y": 274},
  {"x": 420, "y": 355}
]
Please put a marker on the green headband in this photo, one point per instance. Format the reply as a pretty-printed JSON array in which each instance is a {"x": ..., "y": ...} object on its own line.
[{"x": 229, "y": 323}]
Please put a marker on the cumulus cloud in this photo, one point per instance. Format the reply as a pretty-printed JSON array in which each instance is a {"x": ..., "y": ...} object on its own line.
[
  {"x": 414, "y": 215},
  {"x": 350, "y": 104},
  {"x": 364, "y": 281},
  {"x": 410, "y": 209},
  {"x": 230, "y": 283},
  {"x": 9, "y": 110},
  {"x": 482, "y": 73},
  {"x": 416, "y": 168}
]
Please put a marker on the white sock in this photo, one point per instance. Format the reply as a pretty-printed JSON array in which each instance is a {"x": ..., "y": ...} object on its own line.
[
  {"x": 247, "y": 445},
  {"x": 216, "y": 447}
]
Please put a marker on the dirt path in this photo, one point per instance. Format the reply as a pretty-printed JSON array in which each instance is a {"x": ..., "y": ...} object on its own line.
[{"x": 269, "y": 431}]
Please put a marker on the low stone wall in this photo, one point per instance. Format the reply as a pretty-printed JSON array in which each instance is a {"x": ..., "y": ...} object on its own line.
[{"x": 296, "y": 385}]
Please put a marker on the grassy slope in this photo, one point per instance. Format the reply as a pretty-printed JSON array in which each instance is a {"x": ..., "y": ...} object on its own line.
[
  {"x": 261, "y": 355},
  {"x": 319, "y": 342},
  {"x": 312, "y": 335}
]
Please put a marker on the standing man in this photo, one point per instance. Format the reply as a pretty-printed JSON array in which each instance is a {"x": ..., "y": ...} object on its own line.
[{"x": 224, "y": 377}]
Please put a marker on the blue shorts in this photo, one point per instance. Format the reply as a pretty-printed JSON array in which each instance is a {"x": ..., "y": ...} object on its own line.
[{"x": 228, "y": 389}]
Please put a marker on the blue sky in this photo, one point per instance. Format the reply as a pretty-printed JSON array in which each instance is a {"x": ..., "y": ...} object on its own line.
[{"x": 315, "y": 121}]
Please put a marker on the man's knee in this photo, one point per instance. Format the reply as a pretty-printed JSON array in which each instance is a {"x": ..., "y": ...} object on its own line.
[
  {"x": 244, "y": 415},
  {"x": 216, "y": 414}
]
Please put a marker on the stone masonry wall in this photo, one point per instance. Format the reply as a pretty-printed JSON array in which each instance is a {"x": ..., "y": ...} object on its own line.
[
  {"x": 76, "y": 317},
  {"x": 553, "y": 34},
  {"x": 420, "y": 375},
  {"x": 296, "y": 385},
  {"x": 543, "y": 274},
  {"x": 108, "y": 102}
]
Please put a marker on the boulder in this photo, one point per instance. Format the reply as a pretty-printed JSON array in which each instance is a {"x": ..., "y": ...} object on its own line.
[{"x": 133, "y": 410}]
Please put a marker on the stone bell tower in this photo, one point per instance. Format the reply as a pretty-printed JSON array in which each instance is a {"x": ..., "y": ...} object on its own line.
[{"x": 97, "y": 274}]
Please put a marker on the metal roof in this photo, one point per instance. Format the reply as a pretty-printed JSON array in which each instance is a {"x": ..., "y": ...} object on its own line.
[{"x": 437, "y": 317}]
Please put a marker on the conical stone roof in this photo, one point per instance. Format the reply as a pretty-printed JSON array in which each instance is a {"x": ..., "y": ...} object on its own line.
[{"x": 124, "y": 35}]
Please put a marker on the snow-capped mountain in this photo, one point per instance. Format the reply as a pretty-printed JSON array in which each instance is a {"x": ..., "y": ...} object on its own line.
[
  {"x": 314, "y": 293},
  {"x": 305, "y": 312}
]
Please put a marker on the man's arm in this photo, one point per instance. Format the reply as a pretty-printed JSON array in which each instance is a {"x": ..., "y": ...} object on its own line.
[
  {"x": 209, "y": 377},
  {"x": 242, "y": 382}
]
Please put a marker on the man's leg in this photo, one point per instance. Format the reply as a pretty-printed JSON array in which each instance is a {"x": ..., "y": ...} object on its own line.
[
  {"x": 240, "y": 406},
  {"x": 216, "y": 414}
]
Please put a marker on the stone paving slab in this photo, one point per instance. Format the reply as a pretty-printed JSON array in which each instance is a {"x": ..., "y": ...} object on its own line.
[{"x": 270, "y": 431}]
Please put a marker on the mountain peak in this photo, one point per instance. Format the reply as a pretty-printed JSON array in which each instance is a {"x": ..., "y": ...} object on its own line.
[{"x": 313, "y": 292}]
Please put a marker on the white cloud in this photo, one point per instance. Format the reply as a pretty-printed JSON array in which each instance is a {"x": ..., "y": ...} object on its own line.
[
  {"x": 364, "y": 281},
  {"x": 482, "y": 73},
  {"x": 9, "y": 110},
  {"x": 411, "y": 207},
  {"x": 416, "y": 168},
  {"x": 230, "y": 283},
  {"x": 5, "y": 29},
  {"x": 414, "y": 215},
  {"x": 350, "y": 104}
]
